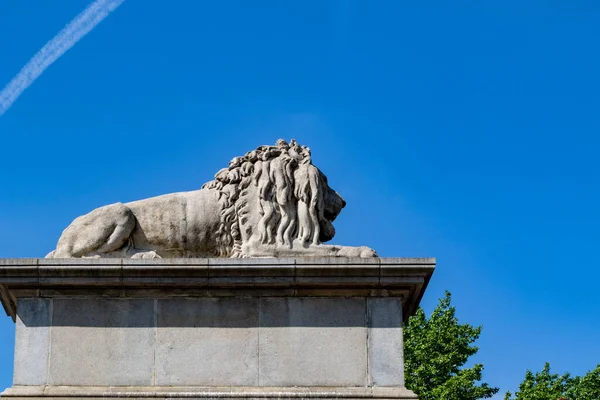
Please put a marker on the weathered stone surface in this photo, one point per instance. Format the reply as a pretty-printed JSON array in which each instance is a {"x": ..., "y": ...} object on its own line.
[
  {"x": 211, "y": 328},
  {"x": 312, "y": 342},
  {"x": 308, "y": 276},
  {"x": 270, "y": 202},
  {"x": 207, "y": 342},
  {"x": 101, "y": 342},
  {"x": 237, "y": 341},
  {"x": 32, "y": 341},
  {"x": 222, "y": 392},
  {"x": 386, "y": 354}
]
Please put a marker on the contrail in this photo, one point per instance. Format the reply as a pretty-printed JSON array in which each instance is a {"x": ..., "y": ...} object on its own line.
[{"x": 80, "y": 26}]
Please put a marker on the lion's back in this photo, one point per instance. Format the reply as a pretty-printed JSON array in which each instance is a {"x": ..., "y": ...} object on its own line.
[{"x": 176, "y": 224}]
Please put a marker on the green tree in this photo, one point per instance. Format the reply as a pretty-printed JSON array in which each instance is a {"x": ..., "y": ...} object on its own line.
[
  {"x": 435, "y": 351},
  {"x": 545, "y": 385},
  {"x": 588, "y": 387}
]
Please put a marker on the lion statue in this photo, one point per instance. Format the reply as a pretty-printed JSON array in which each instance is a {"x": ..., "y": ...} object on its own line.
[{"x": 271, "y": 202}]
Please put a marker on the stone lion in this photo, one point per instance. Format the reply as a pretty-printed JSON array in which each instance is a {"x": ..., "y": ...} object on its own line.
[{"x": 271, "y": 202}]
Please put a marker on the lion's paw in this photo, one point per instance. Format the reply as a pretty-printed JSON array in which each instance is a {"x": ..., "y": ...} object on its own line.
[
  {"x": 361, "y": 252},
  {"x": 367, "y": 252},
  {"x": 146, "y": 255}
]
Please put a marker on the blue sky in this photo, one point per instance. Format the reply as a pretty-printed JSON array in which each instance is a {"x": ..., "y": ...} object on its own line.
[{"x": 462, "y": 130}]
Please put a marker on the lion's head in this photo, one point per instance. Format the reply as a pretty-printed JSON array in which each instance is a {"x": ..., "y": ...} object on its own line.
[
  {"x": 333, "y": 205},
  {"x": 274, "y": 196}
]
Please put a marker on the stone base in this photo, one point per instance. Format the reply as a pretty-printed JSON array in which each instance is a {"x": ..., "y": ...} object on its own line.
[
  {"x": 211, "y": 328},
  {"x": 227, "y": 341},
  {"x": 172, "y": 392}
]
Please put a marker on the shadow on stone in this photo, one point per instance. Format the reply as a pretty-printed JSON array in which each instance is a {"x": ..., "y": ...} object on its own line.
[{"x": 230, "y": 312}]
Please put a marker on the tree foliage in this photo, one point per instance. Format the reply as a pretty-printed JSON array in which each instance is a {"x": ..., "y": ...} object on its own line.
[
  {"x": 545, "y": 385},
  {"x": 435, "y": 351}
]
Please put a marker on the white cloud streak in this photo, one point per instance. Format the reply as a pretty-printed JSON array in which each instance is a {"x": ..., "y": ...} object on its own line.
[{"x": 80, "y": 26}]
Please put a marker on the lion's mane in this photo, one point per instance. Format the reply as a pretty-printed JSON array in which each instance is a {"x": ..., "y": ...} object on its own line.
[{"x": 290, "y": 195}]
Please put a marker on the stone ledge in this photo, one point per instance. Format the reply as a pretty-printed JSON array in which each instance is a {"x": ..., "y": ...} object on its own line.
[
  {"x": 214, "y": 277},
  {"x": 238, "y": 392},
  {"x": 34, "y": 262}
]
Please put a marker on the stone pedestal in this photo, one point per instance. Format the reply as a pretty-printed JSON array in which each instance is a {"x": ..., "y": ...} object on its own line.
[{"x": 211, "y": 328}]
